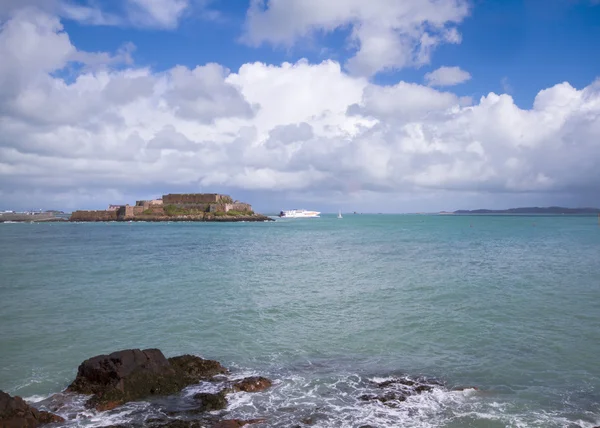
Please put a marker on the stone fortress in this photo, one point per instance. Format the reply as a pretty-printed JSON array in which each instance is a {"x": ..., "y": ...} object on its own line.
[{"x": 203, "y": 205}]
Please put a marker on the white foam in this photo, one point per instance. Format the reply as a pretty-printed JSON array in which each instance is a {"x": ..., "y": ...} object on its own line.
[{"x": 36, "y": 398}]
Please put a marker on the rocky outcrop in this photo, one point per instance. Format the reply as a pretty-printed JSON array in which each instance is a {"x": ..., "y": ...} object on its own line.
[
  {"x": 133, "y": 374},
  {"x": 16, "y": 413},
  {"x": 399, "y": 389},
  {"x": 252, "y": 384},
  {"x": 201, "y": 423},
  {"x": 209, "y": 402},
  {"x": 194, "y": 369},
  {"x": 235, "y": 423}
]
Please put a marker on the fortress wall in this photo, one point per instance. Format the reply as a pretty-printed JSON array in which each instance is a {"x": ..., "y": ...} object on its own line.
[
  {"x": 193, "y": 198},
  {"x": 103, "y": 215}
]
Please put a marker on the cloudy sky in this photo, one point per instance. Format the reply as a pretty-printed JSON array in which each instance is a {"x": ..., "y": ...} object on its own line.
[{"x": 373, "y": 106}]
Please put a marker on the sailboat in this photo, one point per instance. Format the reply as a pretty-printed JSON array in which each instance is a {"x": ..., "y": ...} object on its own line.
[{"x": 340, "y": 214}]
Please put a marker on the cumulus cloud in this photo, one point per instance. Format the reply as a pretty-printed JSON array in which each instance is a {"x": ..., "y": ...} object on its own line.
[
  {"x": 300, "y": 128},
  {"x": 447, "y": 76},
  {"x": 385, "y": 34}
]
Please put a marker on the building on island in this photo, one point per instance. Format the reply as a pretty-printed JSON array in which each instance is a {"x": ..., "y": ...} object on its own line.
[{"x": 172, "y": 204}]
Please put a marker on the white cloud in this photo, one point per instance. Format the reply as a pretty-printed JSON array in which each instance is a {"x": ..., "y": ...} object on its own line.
[
  {"x": 300, "y": 128},
  {"x": 161, "y": 14},
  {"x": 447, "y": 76},
  {"x": 386, "y": 34},
  {"x": 157, "y": 13}
]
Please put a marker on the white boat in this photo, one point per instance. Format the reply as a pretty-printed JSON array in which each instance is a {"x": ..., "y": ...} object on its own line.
[
  {"x": 299, "y": 214},
  {"x": 340, "y": 214}
]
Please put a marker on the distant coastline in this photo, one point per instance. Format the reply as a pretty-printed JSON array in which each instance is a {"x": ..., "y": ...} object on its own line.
[
  {"x": 198, "y": 207},
  {"x": 531, "y": 210}
]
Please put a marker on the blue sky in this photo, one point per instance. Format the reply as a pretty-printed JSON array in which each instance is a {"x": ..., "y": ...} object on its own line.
[
  {"x": 385, "y": 106},
  {"x": 521, "y": 45}
]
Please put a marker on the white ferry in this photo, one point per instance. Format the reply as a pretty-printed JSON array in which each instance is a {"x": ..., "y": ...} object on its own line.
[{"x": 299, "y": 214}]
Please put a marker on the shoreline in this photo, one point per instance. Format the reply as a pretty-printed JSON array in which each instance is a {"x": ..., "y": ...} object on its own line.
[
  {"x": 188, "y": 391},
  {"x": 167, "y": 219}
]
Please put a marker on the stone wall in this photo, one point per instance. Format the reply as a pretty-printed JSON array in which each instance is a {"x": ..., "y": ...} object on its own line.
[
  {"x": 194, "y": 198},
  {"x": 103, "y": 215},
  {"x": 148, "y": 204},
  {"x": 128, "y": 212},
  {"x": 196, "y": 207},
  {"x": 237, "y": 206}
]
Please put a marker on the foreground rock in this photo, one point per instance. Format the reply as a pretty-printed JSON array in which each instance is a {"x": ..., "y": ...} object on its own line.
[
  {"x": 398, "y": 390},
  {"x": 252, "y": 384},
  {"x": 16, "y": 413},
  {"x": 203, "y": 423},
  {"x": 209, "y": 402},
  {"x": 133, "y": 374}
]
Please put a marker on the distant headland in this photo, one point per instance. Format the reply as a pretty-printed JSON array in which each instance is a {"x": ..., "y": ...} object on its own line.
[
  {"x": 176, "y": 207},
  {"x": 530, "y": 210}
]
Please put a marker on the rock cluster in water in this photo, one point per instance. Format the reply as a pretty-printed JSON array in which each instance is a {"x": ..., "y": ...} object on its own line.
[
  {"x": 395, "y": 391},
  {"x": 16, "y": 413},
  {"x": 132, "y": 375}
]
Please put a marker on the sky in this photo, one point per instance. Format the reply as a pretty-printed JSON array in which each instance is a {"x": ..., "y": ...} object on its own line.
[{"x": 368, "y": 106}]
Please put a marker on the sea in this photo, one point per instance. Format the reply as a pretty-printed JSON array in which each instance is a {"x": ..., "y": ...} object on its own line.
[{"x": 500, "y": 315}]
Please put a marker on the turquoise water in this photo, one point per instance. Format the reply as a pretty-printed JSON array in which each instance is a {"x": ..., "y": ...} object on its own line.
[{"x": 509, "y": 304}]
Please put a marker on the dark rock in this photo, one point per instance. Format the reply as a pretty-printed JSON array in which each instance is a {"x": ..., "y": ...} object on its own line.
[
  {"x": 133, "y": 374},
  {"x": 195, "y": 369},
  {"x": 16, "y": 413},
  {"x": 252, "y": 384},
  {"x": 205, "y": 422},
  {"x": 176, "y": 424},
  {"x": 423, "y": 388},
  {"x": 235, "y": 423},
  {"x": 210, "y": 402},
  {"x": 388, "y": 398},
  {"x": 398, "y": 390}
]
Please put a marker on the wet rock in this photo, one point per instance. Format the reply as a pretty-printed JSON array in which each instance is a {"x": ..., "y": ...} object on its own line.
[
  {"x": 16, "y": 413},
  {"x": 176, "y": 424},
  {"x": 398, "y": 390},
  {"x": 386, "y": 398},
  {"x": 210, "y": 402},
  {"x": 252, "y": 384},
  {"x": 57, "y": 402},
  {"x": 194, "y": 369},
  {"x": 419, "y": 389},
  {"x": 133, "y": 374},
  {"x": 235, "y": 423}
]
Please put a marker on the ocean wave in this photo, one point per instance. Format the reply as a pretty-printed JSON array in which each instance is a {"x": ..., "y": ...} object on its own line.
[{"x": 343, "y": 400}]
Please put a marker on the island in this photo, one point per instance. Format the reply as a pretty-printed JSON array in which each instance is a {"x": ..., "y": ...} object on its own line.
[
  {"x": 176, "y": 207},
  {"x": 531, "y": 210}
]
